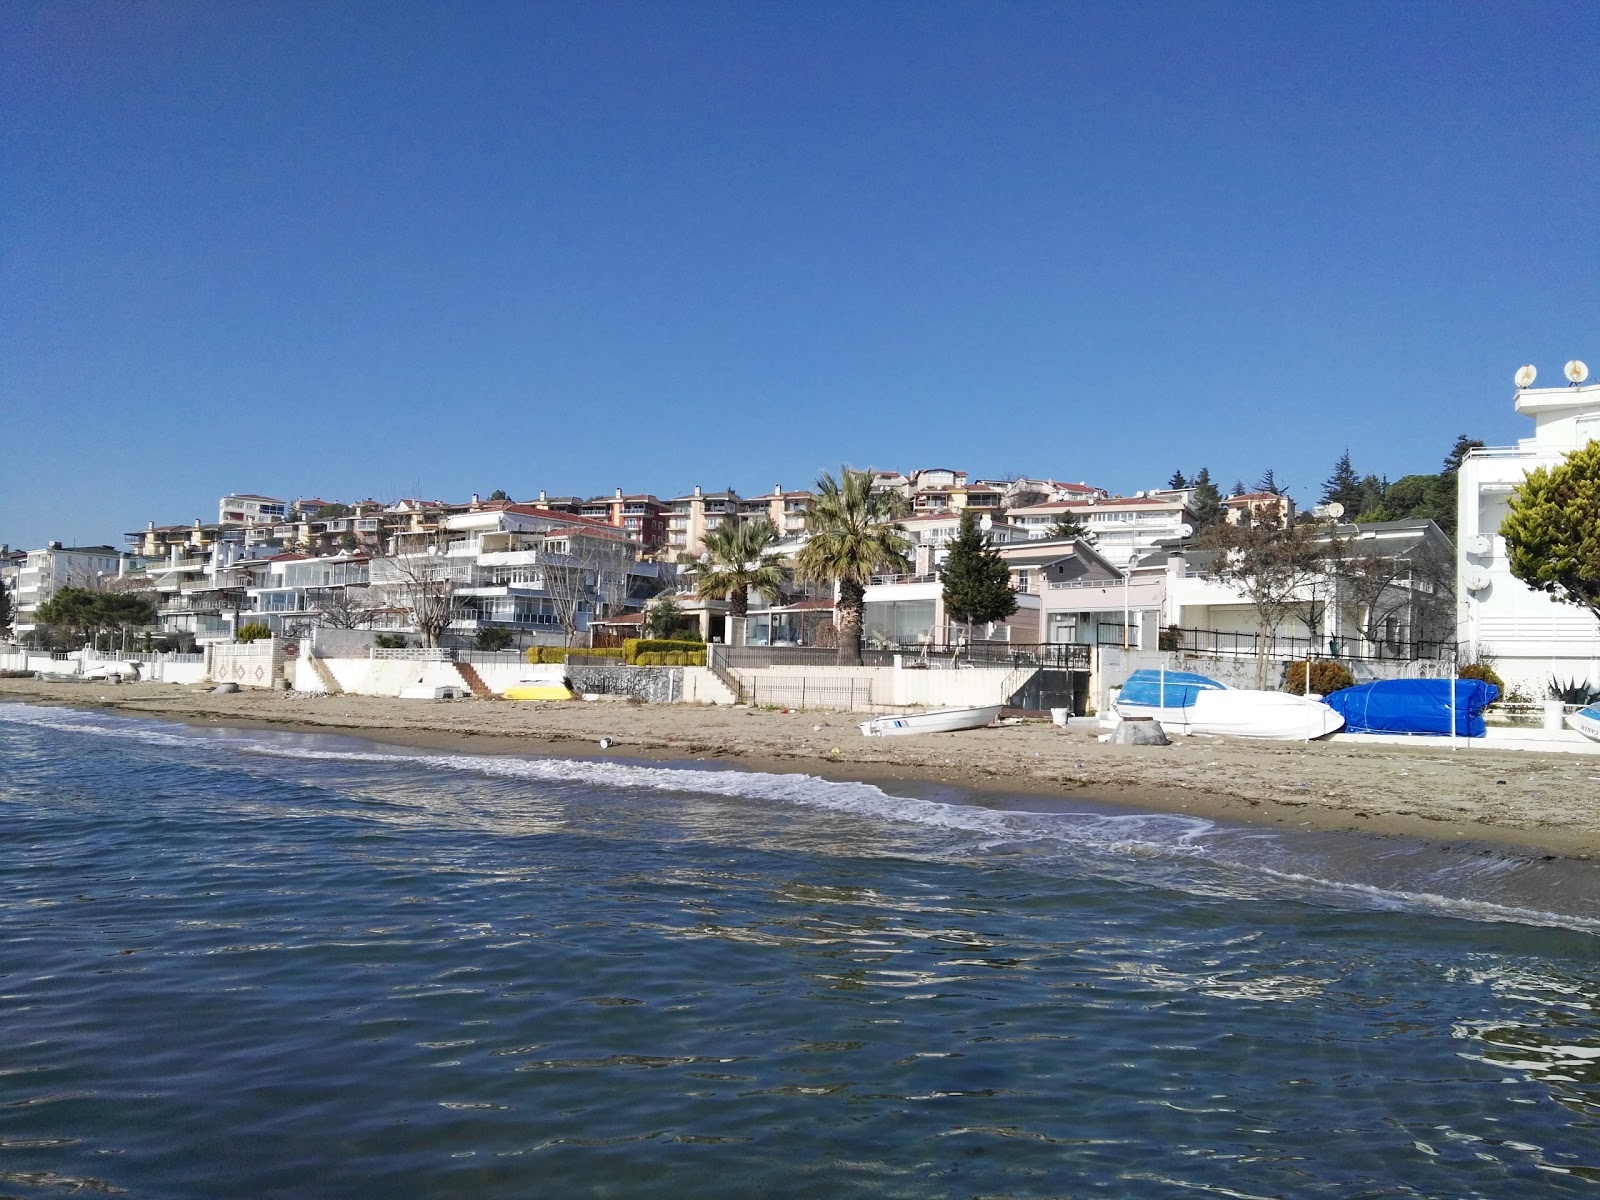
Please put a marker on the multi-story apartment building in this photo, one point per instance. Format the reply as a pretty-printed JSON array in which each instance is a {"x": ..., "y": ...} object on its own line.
[
  {"x": 642, "y": 517},
  {"x": 246, "y": 508},
  {"x": 43, "y": 573},
  {"x": 695, "y": 515},
  {"x": 785, "y": 510}
]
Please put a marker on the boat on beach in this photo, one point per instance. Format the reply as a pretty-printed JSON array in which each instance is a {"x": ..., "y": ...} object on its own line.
[
  {"x": 1586, "y": 721},
  {"x": 1187, "y": 703},
  {"x": 941, "y": 720},
  {"x": 1437, "y": 707},
  {"x": 547, "y": 682}
]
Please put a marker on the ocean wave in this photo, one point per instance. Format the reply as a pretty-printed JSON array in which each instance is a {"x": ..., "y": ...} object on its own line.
[{"x": 1112, "y": 837}]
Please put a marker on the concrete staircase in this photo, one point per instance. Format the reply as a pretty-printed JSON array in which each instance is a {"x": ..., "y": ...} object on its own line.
[
  {"x": 474, "y": 681},
  {"x": 329, "y": 682}
]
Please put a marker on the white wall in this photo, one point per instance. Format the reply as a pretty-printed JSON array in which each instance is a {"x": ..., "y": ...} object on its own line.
[{"x": 1529, "y": 635}]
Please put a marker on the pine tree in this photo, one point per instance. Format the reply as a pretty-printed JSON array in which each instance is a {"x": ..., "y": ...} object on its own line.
[
  {"x": 1238, "y": 488},
  {"x": 977, "y": 582},
  {"x": 1207, "y": 503},
  {"x": 1343, "y": 486},
  {"x": 1177, "y": 480},
  {"x": 1070, "y": 525},
  {"x": 1464, "y": 444},
  {"x": 1269, "y": 483}
]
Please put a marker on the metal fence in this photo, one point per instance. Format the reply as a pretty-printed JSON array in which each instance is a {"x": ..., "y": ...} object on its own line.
[
  {"x": 1065, "y": 655},
  {"x": 1223, "y": 643},
  {"x": 801, "y": 691}
]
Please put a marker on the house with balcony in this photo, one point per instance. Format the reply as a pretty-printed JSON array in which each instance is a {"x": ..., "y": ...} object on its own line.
[
  {"x": 1078, "y": 592},
  {"x": 245, "y": 508},
  {"x": 1125, "y": 528},
  {"x": 1258, "y": 508},
  {"x": 291, "y": 592},
  {"x": 527, "y": 570},
  {"x": 908, "y": 609},
  {"x": 1531, "y": 636}
]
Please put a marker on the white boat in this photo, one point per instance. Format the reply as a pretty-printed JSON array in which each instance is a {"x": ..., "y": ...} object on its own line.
[
  {"x": 940, "y": 720},
  {"x": 1586, "y": 721},
  {"x": 113, "y": 672},
  {"x": 1186, "y": 703}
]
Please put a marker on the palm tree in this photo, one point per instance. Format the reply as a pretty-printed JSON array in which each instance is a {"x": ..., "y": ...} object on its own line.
[
  {"x": 853, "y": 537},
  {"x": 737, "y": 559}
]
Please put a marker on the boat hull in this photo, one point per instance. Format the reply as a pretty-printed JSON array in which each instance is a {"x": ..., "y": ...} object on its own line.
[
  {"x": 944, "y": 720},
  {"x": 1186, "y": 703},
  {"x": 1275, "y": 716},
  {"x": 1586, "y": 721},
  {"x": 537, "y": 691}
]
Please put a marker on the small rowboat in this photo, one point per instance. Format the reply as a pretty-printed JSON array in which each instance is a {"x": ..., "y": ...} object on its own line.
[
  {"x": 941, "y": 720},
  {"x": 1586, "y": 721}
]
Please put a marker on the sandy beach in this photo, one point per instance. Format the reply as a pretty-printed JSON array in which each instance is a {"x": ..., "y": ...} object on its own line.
[{"x": 1545, "y": 803}]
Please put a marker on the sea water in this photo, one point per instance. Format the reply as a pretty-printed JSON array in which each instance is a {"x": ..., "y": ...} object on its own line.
[{"x": 251, "y": 964}]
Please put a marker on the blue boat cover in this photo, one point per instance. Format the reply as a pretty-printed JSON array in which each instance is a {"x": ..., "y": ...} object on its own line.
[
  {"x": 1414, "y": 706},
  {"x": 1178, "y": 691}
]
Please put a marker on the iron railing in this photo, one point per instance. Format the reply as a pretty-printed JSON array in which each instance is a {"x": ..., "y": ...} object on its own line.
[{"x": 1222, "y": 643}]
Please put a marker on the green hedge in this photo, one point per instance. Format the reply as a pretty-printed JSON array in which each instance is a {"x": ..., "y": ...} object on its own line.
[
  {"x": 561, "y": 654},
  {"x": 633, "y": 647},
  {"x": 670, "y": 658}
]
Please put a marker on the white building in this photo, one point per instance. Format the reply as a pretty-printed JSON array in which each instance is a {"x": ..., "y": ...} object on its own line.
[
  {"x": 248, "y": 509},
  {"x": 47, "y": 571},
  {"x": 1125, "y": 528},
  {"x": 1530, "y": 636}
]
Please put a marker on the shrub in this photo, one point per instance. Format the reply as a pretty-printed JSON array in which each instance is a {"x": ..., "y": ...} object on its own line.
[
  {"x": 253, "y": 632},
  {"x": 561, "y": 654},
  {"x": 633, "y": 647},
  {"x": 1572, "y": 692},
  {"x": 1483, "y": 671},
  {"x": 1326, "y": 678},
  {"x": 390, "y": 641},
  {"x": 1170, "y": 638},
  {"x": 493, "y": 637}
]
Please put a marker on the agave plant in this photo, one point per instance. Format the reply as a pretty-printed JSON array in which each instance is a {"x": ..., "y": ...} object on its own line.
[{"x": 1573, "y": 692}]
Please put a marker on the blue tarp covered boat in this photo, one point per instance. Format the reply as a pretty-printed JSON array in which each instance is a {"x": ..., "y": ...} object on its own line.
[{"x": 1415, "y": 706}]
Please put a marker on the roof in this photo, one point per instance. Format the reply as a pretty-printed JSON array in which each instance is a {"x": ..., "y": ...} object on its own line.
[
  {"x": 253, "y": 496},
  {"x": 287, "y": 556},
  {"x": 1254, "y": 496}
]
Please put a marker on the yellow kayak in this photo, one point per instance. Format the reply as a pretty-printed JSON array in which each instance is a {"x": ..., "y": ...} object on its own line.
[{"x": 549, "y": 683}]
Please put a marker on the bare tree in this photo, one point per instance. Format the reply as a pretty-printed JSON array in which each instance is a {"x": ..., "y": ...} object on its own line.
[
  {"x": 423, "y": 579},
  {"x": 578, "y": 568},
  {"x": 1274, "y": 569},
  {"x": 344, "y": 607},
  {"x": 1418, "y": 585}
]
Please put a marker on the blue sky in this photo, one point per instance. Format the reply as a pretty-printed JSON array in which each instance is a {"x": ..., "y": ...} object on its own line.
[{"x": 351, "y": 249}]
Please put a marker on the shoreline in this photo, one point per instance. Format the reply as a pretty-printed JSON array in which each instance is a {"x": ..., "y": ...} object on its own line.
[{"x": 1546, "y": 804}]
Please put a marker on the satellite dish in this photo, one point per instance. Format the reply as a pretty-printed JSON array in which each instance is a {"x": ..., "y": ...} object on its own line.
[
  {"x": 1479, "y": 544},
  {"x": 1577, "y": 371},
  {"x": 1335, "y": 509},
  {"x": 1186, "y": 530},
  {"x": 1477, "y": 581},
  {"x": 1526, "y": 375}
]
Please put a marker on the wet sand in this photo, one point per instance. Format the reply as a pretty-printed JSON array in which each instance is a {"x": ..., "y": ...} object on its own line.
[{"x": 1546, "y": 803}]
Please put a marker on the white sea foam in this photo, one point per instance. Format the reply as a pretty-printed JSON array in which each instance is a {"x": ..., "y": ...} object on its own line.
[{"x": 1163, "y": 835}]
